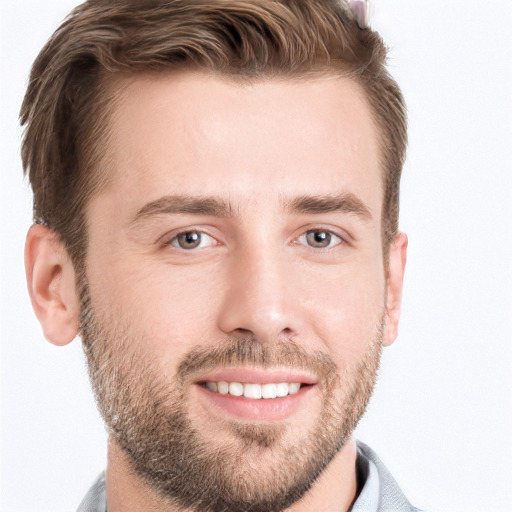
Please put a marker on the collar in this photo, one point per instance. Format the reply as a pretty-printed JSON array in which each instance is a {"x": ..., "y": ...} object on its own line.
[{"x": 380, "y": 492}]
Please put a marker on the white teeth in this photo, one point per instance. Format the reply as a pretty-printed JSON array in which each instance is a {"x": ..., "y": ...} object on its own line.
[
  {"x": 236, "y": 389},
  {"x": 268, "y": 391},
  {"x": 282, "y": 389},
  {"x": 223, "y": 388},
  {"x": 254, "y": 391},
  {"x": 293, "y": 388}
]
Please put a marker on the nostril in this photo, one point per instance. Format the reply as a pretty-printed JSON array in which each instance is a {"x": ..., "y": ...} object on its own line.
[{"x": 243, "y": 331}]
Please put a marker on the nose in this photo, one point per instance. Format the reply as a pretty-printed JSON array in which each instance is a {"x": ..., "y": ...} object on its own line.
[{"x": 261, "y": 297}]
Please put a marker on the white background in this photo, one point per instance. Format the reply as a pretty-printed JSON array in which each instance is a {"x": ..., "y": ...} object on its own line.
[{"x": 441, "y": 418}]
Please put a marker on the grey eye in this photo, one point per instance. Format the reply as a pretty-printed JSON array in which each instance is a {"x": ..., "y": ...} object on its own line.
[
  {"x": 320, "y": 239},
  {"x": 188, "y": 240}
]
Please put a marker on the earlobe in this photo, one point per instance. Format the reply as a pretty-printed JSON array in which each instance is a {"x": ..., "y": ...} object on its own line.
[
  {"x": 395, "y": 280},
  {"x": 51, "y": 285}
]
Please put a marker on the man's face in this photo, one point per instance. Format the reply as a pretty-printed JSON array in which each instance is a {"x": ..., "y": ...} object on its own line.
[{"x": 239, "y": 242}]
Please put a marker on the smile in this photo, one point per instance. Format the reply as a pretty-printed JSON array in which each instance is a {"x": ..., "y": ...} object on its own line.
[
  {"x": 255, "y": 394},
  {"x": 252, "y": 390}
]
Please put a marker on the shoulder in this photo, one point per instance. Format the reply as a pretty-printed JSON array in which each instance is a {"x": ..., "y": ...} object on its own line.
[
  {"x": 379, "y": 485},
  {"x": 96, "y": 498}
]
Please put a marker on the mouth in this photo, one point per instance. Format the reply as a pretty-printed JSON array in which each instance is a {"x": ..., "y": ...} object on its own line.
[
  {"x": 254, "y": 391},
  {"x": 253, "y": 394}
]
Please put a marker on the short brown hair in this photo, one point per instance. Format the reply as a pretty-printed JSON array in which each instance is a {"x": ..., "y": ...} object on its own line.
[{"x": 66, "y": 106}]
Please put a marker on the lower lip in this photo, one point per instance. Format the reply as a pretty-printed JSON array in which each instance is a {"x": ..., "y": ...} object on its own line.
[{"x": 263, "y": 409}]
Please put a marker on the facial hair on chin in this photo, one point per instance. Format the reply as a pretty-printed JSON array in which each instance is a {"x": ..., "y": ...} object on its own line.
[{"x": 149, "y": 421}]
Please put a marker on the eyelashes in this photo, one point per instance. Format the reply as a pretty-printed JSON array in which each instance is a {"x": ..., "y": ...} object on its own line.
[
  {"x": 320, "y": 239},
  {"x": 190, "y": 240},
  {"x": 195, "y": 239}
]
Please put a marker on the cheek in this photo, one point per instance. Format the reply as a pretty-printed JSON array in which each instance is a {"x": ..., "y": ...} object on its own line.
[
  {"x": 346, "y": 311},
  {"x": 171, "y": 308}
]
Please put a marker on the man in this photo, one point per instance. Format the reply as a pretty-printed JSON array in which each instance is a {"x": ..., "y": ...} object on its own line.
[{"x": 216, "y": 215}]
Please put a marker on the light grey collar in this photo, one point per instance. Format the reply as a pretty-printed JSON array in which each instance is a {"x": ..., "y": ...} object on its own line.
[{"x": 380, "y": 492}]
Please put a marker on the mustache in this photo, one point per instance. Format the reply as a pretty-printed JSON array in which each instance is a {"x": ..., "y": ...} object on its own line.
[{"x": 249, "y": 351}]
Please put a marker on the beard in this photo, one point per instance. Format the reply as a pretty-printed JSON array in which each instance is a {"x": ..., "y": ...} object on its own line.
[{"x": 250, "y": 466}]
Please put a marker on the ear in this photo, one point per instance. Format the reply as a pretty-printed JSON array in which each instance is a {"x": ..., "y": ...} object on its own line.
[
  {"x": 51, "y": 285},
  {"x": 394, "y": 285}
]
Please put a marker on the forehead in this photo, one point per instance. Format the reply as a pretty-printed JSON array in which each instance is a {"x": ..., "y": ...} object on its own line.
[{"x": 201, "y": 134}]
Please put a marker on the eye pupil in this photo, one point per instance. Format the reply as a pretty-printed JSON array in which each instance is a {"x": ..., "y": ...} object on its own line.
[
  {"x": 318, "y": 238},
  {"x": 189, "y": 240}
]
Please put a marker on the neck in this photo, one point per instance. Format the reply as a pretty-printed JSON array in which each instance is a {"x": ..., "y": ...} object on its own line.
[{"x": 335, "y": 490}]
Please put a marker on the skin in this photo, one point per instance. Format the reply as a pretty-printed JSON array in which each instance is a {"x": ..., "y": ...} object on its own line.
[{"x": 257, "y": 147}]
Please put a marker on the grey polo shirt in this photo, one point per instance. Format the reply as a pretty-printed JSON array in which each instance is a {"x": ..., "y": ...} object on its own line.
[{"x": 380, "y": 492}]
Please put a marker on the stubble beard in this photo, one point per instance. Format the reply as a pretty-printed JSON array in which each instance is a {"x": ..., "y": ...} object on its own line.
[{"x": 255, "y": 467}]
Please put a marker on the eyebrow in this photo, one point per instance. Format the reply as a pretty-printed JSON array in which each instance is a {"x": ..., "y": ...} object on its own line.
[
  {"x": 217, "y": 207},
  {"x": 185, "y": 205},
  {"x": 346, "y": 203}
]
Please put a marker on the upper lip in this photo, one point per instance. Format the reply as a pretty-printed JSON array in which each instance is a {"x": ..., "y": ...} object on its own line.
[{"x": 257, "y": 376}]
